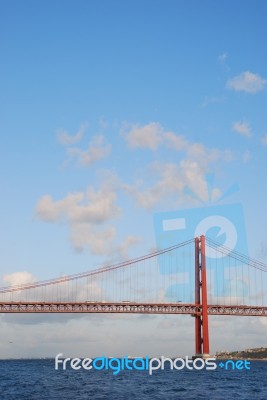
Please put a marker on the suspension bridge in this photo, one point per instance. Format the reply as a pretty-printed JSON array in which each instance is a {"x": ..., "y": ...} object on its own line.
[{"x": 198, "y": 277}]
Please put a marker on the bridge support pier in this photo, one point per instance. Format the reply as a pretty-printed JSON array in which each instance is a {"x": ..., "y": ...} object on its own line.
[{"x": 202, "y": 348}]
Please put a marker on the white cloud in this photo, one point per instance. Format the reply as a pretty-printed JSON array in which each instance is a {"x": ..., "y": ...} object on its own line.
[
  {"x": 222, "y": 60},
  {"x": 176, "y": 142},
  {"x": 91, "y": 207},
  {"x": 242, "y": 128},
  {"x": 212, "y": 100},
  {"x": 171, "y": 182},
  {"x": 216, "y": 194},
  {"x": 89, "y": 289},
  {"x": 66, "y": 139},
  {"x": 18, "y": 278},
  {"x": 173, "y": 141},
  {"x": 197, "y": 151},
  {"x": 144, "y": 137},
  {"x": 168, "y": 183},
  {"x": 177, "y": 180},
  {"x": 152, "y": 135},
  {"x": 222, "y": 57},
  {"x": 83, "y": 212},
  {"x": 247, "y": 82},
  {"x": 264, "y": 140},
  {"x": 194, "y": 178},
  {"x": 87, "y": 214},
  {"x": 98, "y": 240},
  {"x": 97, "y": 149},
  {"x": 156, "y": 335},
  {"x": 128, "y": 242}
]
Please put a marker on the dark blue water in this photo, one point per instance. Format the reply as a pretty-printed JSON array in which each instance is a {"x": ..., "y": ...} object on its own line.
[{"x": 37, "y": 379}]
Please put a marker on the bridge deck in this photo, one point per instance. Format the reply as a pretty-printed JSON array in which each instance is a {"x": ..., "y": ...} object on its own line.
[{"x": 129, "y": 307}]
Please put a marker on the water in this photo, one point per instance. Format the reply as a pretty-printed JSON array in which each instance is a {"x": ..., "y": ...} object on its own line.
[{"x": 37, "y": 380}]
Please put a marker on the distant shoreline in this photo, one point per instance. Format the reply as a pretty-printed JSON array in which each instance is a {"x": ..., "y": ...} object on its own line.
[{"x": 256, "y": 354}]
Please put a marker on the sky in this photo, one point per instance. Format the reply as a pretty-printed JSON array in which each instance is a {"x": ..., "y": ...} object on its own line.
[{"x": 114, "y": 112}]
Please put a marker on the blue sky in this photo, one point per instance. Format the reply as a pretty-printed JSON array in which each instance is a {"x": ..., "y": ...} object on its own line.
[{"x": 109, "y": 110}]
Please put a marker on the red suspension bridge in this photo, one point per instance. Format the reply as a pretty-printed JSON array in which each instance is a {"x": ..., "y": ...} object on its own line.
[{"x": 197, "y": 277}]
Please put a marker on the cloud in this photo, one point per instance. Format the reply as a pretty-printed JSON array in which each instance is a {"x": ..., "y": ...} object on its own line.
[
  {"x": 98, "y": 240},
  {"x": 83, "y": 212},
  {"x": 247, "y": 82},
  {"x": 101, "y": 240},
  {"x": 222, "y": 58},
  {"x": 151, "y": 136},
  {"x": 18, "y": 278},
  {"x": 242, "y": 128},
  {"x": 66, "y": 139},
  {"x": 144, "y": 137},
  {"x": 212, "y": 100},
  {"x": 87, "y": 214},
  {"x": 97, "y": 149},
  {"x": 92, "y": 206},
  {"x": 176, "y": 142},
  {"x": 124, "y": 246},
  {"x": 173, "y": 180},
  {"x": 264, "y": 140},
  {"x": 156, "y": 335},
  {"x": 173, "y": 141},
  {"x": 197, "y": 151}
]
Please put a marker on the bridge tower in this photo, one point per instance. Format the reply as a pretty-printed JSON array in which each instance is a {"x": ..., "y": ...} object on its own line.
[{"x": 201, "y": 321}]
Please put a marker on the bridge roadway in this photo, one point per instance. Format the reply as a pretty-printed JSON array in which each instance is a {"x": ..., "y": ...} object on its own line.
[{"x": 129, "y": 307}]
